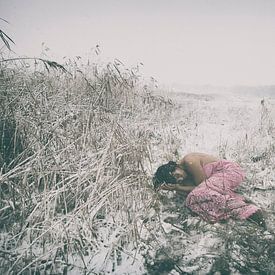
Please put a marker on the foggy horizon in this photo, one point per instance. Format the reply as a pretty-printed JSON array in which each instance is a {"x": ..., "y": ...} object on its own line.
[{"x": 218, "y": 43}]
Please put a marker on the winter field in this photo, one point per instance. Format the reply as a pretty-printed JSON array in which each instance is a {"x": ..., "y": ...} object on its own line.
[{"x": 79, "y": 146}]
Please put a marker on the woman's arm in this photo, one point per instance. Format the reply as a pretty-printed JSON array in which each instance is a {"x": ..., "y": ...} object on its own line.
[
  {"x": 185, "y": 188},
  {"x": 177, "y": 187},
  {"x": 187, "y": 181}
]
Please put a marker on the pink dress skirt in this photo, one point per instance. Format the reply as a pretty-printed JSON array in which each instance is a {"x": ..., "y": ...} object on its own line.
[{"x": 214, "y": 199}]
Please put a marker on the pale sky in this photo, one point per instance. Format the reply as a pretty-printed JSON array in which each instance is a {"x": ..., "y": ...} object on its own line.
[{"x": 218, "y": 42}]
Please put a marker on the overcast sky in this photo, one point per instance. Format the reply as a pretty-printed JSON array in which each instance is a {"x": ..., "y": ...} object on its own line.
[{"x": 218, "y": 42}]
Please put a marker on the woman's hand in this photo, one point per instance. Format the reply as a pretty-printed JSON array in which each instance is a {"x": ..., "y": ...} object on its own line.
[
  {"x": 176, "y": 187},
  {"x": 169, "y": 187}
]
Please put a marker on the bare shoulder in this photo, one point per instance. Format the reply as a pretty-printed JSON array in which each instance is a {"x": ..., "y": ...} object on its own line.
[
  {"x": 190, "y": 158},
  {"x": 198, "y": 158},
  {"x": 194, "y": 167},
  {"x": 193, "y": 164}
]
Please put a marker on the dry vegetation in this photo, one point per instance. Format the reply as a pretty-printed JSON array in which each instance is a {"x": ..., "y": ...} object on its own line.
[
  {"x": 79, "y": 144},
  {"x": 74, "y": 147}
]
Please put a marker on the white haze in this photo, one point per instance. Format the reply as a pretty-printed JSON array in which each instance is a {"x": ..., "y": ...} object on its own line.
[{"x": 180, "y": 42}]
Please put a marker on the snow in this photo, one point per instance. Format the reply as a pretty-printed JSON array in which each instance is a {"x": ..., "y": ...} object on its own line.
[{"x": 232, "y": 126}]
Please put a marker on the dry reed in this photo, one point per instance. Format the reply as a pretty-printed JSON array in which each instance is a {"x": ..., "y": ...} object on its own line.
[{"x": 74, "y": 150}]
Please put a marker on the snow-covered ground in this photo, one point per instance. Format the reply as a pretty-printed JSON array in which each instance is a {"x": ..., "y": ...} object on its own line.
[
  {"x": 220, "y": 120},
  {"x": 232, "y": 126},
  {"x": 121, "y": 226}
]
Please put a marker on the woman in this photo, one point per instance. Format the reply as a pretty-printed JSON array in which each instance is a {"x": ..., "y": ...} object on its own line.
[{"x": 210, "y": 184}]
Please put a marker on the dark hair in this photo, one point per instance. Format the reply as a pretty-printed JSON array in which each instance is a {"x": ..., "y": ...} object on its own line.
[{"x": 163, "y": 174}]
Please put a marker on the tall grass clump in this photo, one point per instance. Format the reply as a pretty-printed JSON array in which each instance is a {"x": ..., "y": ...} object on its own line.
[{"x": 75, "y": 154}]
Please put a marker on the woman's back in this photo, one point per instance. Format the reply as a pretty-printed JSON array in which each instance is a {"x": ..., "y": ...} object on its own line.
[{"x": 200, "y": 157}]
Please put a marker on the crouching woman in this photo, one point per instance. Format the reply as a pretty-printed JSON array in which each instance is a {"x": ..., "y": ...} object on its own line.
[{"x": 210, "y": 183}]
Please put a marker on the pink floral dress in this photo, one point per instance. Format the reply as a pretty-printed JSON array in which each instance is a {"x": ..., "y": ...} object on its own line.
[{"x": 214, "y": 199}]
